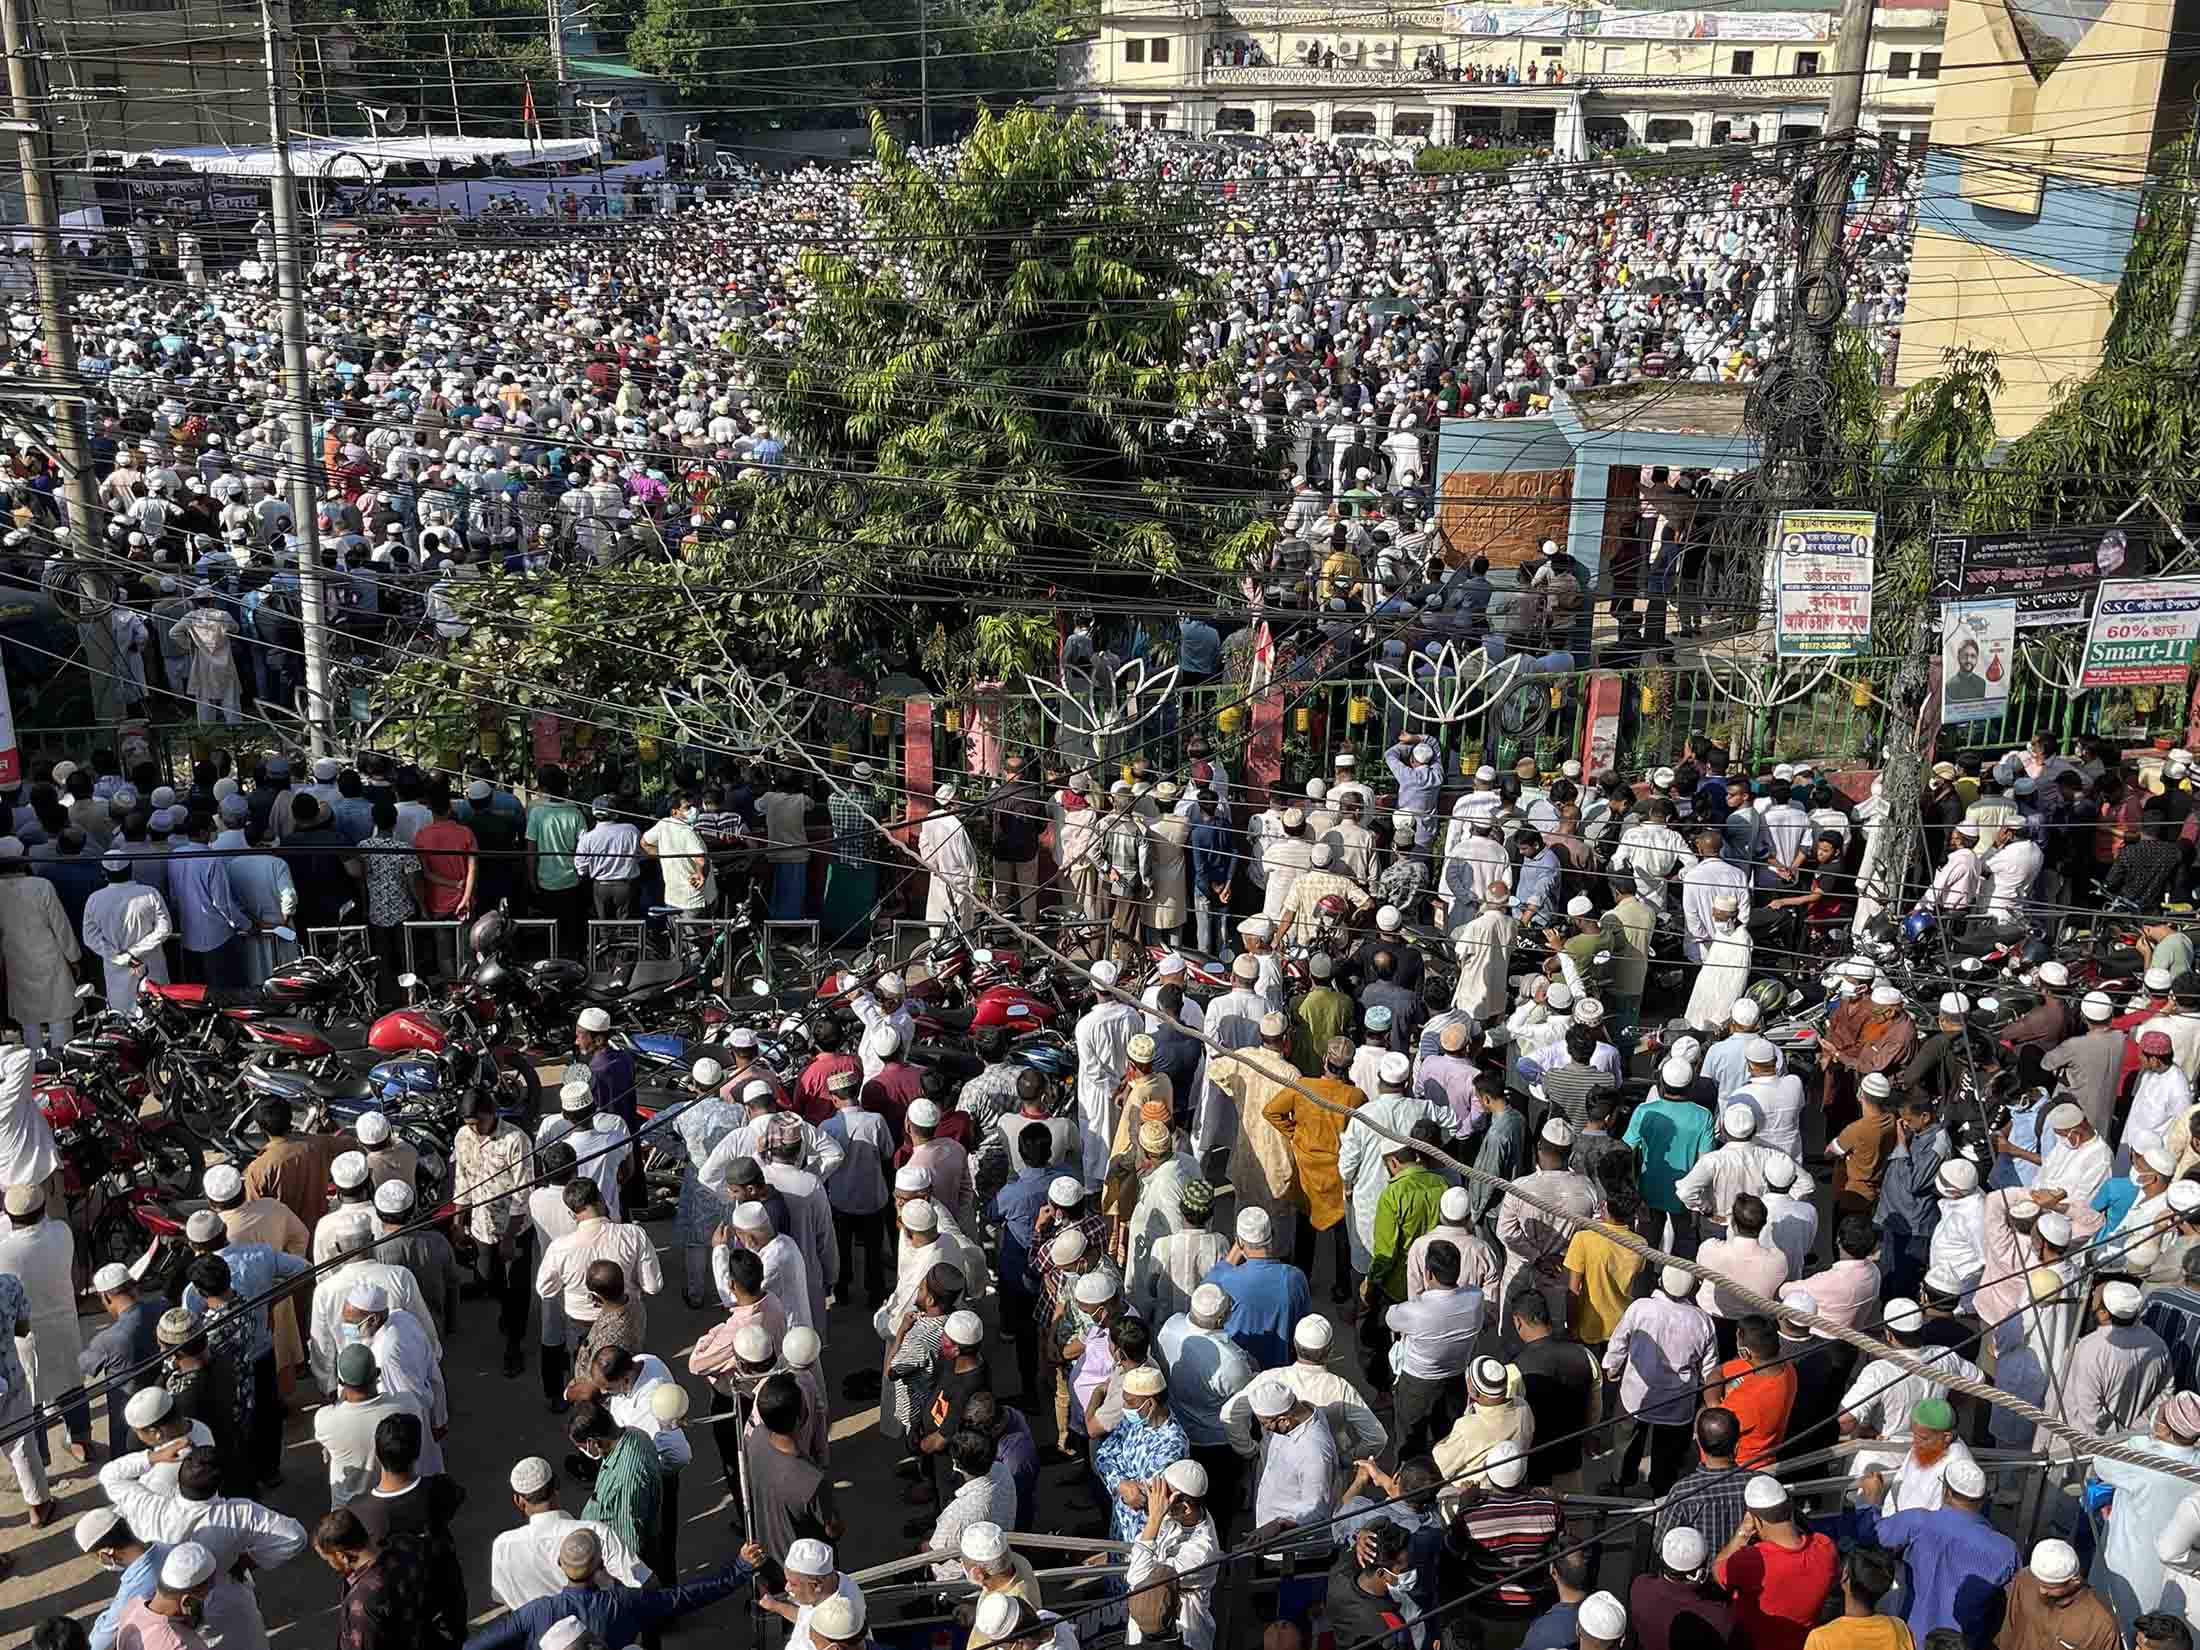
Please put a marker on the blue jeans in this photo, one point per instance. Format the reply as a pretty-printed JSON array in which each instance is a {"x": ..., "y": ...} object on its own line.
[
  {"x": 1211, "y": 923},
  {"x": 790, "y": 884}
]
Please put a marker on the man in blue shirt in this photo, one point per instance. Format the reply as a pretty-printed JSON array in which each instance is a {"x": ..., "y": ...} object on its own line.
[
  {"x": 1267, "y": 1296},
  {"x": 1211, "y": 872},
  {"x": 1198, "y": 651},
  {"x": 1015, "y": 1207},
  {"x": 1958, "y": 1562},
  {"x": 209, "y": 922},
  {"x": 105, "y": 1537}
]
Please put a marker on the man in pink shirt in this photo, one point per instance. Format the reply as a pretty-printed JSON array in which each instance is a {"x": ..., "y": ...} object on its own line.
[
  {"x": 169, "y": 1620},
  {"x": 1847, "y": 1292},
  {"x": 1743, "y": 1257}
]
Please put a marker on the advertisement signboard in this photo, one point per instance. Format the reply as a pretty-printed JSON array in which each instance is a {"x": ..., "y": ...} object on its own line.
[
  {"x": 1978, "y": 651},
  {"x": 1822, "y": 580},
  {"x": 2142, "y": 634},
  {"x": 2051, "y": 572}
]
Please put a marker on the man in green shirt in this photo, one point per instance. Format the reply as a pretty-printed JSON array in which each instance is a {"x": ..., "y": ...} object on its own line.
[
  {"x": 554, "y": 826},
  {"x": 1582, "y": 951},
  {"x": 1411, "y": 1205},
  {"x": 1322, "y": 1014},
  {"x": 1669, "y": 1135},
  {"x": 629, "y": 1481}
]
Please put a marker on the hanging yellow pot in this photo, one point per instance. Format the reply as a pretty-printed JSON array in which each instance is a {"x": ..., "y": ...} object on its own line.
[
  {"x": 1302, "y": 720},
  {"x": 1229, "y": 719},
  {"x": 2143, "y": 699},
  {"x": 646, "y": 747},
  {"x": 952, "y": 719},
  {"x": 492, "y": 741},
  {"x": 1860, "y": 695},
  {"x": 840, "y": 750},
  {"x": 1558, "y": 696},
  {"x": 880, "y": 726},
  {"x": 1647, "y": 696},
  {"x": 1358, "y": 712},
  {"x": 1127, "y": 776},
  {"x": 450, "y": 761},
  {"x": 584, "y": 736}
]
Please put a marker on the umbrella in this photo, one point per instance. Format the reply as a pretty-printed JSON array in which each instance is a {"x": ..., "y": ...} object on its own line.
[{"x": 1658, "y": 284}]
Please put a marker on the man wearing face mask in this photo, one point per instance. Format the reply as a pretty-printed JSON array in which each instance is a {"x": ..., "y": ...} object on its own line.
[
  {"x": 107, "y": 1539},
  {"x": 169, "y": 1620},
  {"x": 1370, "y": 1586},
  {"x": 409, "y": 1361},
  {"x": 680, "y": 851},
  {"x": 812, "y": 1578},
  {"x": 1179, "y": 1537},
  {"x": 1869, "y": 1031}
]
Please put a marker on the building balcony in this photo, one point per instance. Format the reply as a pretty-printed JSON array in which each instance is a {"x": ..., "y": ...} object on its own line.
[{"x": 1395, "y": 77}]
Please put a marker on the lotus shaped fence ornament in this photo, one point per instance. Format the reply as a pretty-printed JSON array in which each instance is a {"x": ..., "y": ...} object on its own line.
[
  {"x": 1762, "y": 692},
  {"x": 2056, "y": 659},
  {"x": 1098, "y": 710},
  {"x": 736, "y": 713},
  {"x": 1448, "y": 687}
]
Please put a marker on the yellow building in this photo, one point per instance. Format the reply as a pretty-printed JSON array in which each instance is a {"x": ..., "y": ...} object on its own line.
[
  {"x": 1545, "y": 75},
  {"x": 2041, "y": 139}
]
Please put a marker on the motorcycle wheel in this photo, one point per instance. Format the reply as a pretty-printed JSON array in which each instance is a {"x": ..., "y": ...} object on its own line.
[
  {"x": 172, "y": 1167},
  {"x": 115, "y": 1238},
  {"x": 518, "y": 1087}
]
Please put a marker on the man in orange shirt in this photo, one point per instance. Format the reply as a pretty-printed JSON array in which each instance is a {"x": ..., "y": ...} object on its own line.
[
  {"x": 444, "y": 890},
  {"x": 1759, "y": 1388}
]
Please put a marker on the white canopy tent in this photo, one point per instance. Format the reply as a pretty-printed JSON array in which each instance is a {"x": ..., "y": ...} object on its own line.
[{"x": 314, "y": 156}]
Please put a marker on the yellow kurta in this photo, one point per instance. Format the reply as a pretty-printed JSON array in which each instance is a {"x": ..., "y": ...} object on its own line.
[
  {"x": 1313, "y": 1133},
  {"x": 1261, "y": 1165},
  {"x": 264, "y": 1220}
]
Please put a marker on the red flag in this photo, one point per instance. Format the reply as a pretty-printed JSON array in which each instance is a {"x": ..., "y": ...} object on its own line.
[{"x": 529, "y": 121}]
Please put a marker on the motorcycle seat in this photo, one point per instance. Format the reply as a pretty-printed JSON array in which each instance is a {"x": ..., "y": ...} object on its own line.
[
  {"x": 959, "y": 1064},
  {"x": 339, "y": 1035},
  {"x": 953, "y": 1019},
  {"x": 1206, "y": 961}
]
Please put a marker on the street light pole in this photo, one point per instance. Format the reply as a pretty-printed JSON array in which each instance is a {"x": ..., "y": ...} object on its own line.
[
  {"x": 924, "y": 72},
  {"x": 297, "y": 415}
]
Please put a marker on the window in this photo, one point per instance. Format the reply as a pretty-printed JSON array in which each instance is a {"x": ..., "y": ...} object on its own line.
[
  {"x": 1928, "y": 65},
  {"x": 1898, "y": 65},
  {"x": 1233, "y": 120},
  {"x": 1157, "y": 116},
  {"x": 1412, "y": 125},
  {"x": 1133, "y": 113},
  {"x": 1744, "y": 63},
  {"x": 1159, "y": 51},
  {"x": 1806, "y": 62},
  {"x": 1615, "y": 60},
  {"x": 1353, "y": 123},
  {"x": 1554, "y": 51},
  {"x": 1669, "y": 131},
  {"x": 1134, "y": 51}
]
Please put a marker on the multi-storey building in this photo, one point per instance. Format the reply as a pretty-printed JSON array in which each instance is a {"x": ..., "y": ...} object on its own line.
[{"x": 1563, "y": 76}]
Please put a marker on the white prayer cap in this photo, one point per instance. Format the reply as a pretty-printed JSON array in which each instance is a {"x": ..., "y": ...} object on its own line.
[
  {"x": 1745, "y": 1012},
  {"x": 2095, "y": 1005},
  {"x": 2064, "y": 1116},
  {"x": 1943, "y": 1279},
  {"x": 891, "y": 984},
  {"x": 393, "y": 1198},
  {"x": 1676, "y": 1281},
  {"x": 148, "y": 1406},
  {"x": 2023, "y": 1208},
  {"x": 1877, "y": 1085},
  {"x": 1558, "y": 1132},
  {"x": 752, "y": 1343},
  {"x": 668, "y": 1402},
  {"x": 1739, "y": 1121},
  {"x": 923, "y": 1113},
  {"x": 1903, "y": 1316},
  {"x": 563, "y": 1634},
  {"x": 1887, "y": 996},
  {"x": 913, "y": 1177},
  {"x": 204, "y": 1226},
  {"x": 750, "y": 1217},
  {"x": 1390, "y": 919},
  {"x": 1958, "y": 1177},
  {"x": 882, "y": 1041},
  {"x": 2184, "y": 1196},
  {"x": 1763, "y": 1492},
  {"x": 1063, "y": 1191},
  {"x": 2055, "y": 1228},
  {"x": 759, "y": 1092},
  {"x": 965, "y": 1328},
  {"x": 368, "y": 1297},
  {"x": 1965, "y": 1477},
  {"x": 111, "y": 1279},
  {"x": 96, "y": 1528},
  {"x": 223, "y": 1183},
  {"x": 1313, "y": 1333},
  {"x": 1779, "y": 1171},
  {"x": 326, "y": 768},
  {"x": 1270, "y": 1399},
  {"x": 812, "y": 1557},
  {"x": 1209, "y": 1300},
  {"x": 1187, "y": 1477},
  {"x": 1795, "y": 1298},
  {"x": 1603, "y": 1618},
  {"x": 1104, "y": 972},
  {"x": 2160, "y": 1159},
  {"x": 2121, "y": 1300},
  {"x": 576, "y": 1096},
  {"x": 706, "y": 1073},
  {"x": 1954, "y": 1004},
  {"x": 2053, "y": 973},
  {"x": 921, "y": 1216},
  {"x": 998, "y": 1616},
  {"x": 1068, "y": 1247},
  {"x": 1169, "y": 966},
  {"x": 2054, "y": 1562},
  {"x": 1581, "y": 905},
  {"x": 1485, "y": 775},
  {"x": 943, "y": 794},
  {"x": 349, "y": 1171},
  {"x": 1323, "y": 854},
  {"x": 1758, "y": 1051},
  {"x": 2159, "y": 979},
  {"x": 741, "y": 1037},
  {"x": 800, "y": 1347},
  {"x": 1684, "y": 1550},
  {"x": 1393, "y": 1067},
  {"x": 595, "y": 1020},
  {"x": 982, "y": 1543},
  {"x": 1095, "y": 1288},
  {"x": 1454, "y": 1205},
  {"x": 1254, "y": 1228},
  {"x": 1506, "y": 1465},
  {"x": 1560, "y": 997},
  {"x": 186, "y": 1567},
  {"x": 531, "y": 1476}
]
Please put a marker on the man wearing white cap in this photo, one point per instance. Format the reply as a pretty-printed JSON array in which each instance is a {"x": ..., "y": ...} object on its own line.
[
  {"x": 1297, "y": 1481},
  {"x": 38, "y": 951},
  {"x": 1420, "y": 779},
  {"x": 786, "y": 1271},
  {"x": 1475, "y": 862},
  {"x": 1701, "y": 885},
  {"x": 408, "y": 1359},
  {"x": 1370, "y": 1140},
  {"x": 1723, "y": 973},
  {"x": 588, "y": 1607},
  {"x": 1178, "y": 1537},
  {"x": 27, "y": 1450},
  {"x": 389, "y": 1155},
  {"x": 1776, "y": 1568},
  {"x": 1776, "y": 1097},
  {"x": 1534, "y": 1242},
  {"x": 1735, "y": 1170},
  {"x": 171, "y": 1618},
  {"x": 1103, "y": 1037},
  {"x": 39, "y": 1251},
  {"x": 523, "y": 1562},
  {"x": 423, "y": 1251},
  {"x": 1663, "y": 1352},
  {"x": 353, "y": 1214},
  {"x": 2073, "y": 1168},
  {"x": 943, "y": 843},
  {"x": 2049, "y": 1606},
  {"x": 2116, "y": 1372},
  {"x": 126, "y": 925},
  {"x": 1479, "y": 1265},
  {"x": 128, "y": 1342},
  {"x": 1652, "y": 852},
  {"x": 2089, "y": 1068},
  {"x": 1262, "y": 1166}
]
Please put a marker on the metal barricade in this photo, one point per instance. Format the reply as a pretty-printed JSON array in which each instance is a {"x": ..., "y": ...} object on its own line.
[
  {"x": 807, "y": 934},
  {"x": 909, "y": 937},
  {"x": 533, "y": 939},
  {"x": 444, "y": 940},
  {"x": 327, "y": 942},
  {"x": 615, "y": 942}
]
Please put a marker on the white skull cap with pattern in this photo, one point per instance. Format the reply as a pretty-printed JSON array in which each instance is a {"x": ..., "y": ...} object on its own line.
[{"x": 812, "y": 1557}]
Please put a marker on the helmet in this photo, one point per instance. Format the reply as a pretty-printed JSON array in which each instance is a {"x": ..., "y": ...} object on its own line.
[
  {"x": 1332, "y": 908},
  {"x": 489, "y": 935},
  {"x": 492, "y": 976},
  {"x": 1917, "y": 925}
]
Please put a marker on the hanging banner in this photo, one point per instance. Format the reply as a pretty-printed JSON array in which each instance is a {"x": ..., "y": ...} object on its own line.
[
  {"x": 1978, "y": 651},
  {"x": 2052, "y": 572},
  {"x": 11, "y": 758},
  {"x": 2142, "y": 634},
  {"x": 1822, "y": 581}
]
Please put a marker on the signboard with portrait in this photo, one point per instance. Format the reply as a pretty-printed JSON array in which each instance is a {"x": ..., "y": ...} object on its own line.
[
  {"x": 2051, "y": 572},
  {"x": 1822, "y": 578},
  {"x": 181, "y": 196},
  {"x": 1978, "y": 651},
  {"x": 2142, "y": 634}
]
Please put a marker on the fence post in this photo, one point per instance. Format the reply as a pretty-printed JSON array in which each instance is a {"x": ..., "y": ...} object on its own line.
[
  {"x": 917, "y": 782},
  {"x": 1599, "y": 752},
  {"x": 1264, "y": 755}
]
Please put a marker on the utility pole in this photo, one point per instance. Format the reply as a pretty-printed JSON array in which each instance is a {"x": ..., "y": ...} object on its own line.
[
  {"x": 450, "y": 68},
  {"x": 2188, "y": 289},
  {"x": 26, "y": 93},
  {"x": 297, "y": 414},
  {"x": 1819, "y": 280},
  {"x": 560, "y": 72},
  {"x": 924, "y": 72}
]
